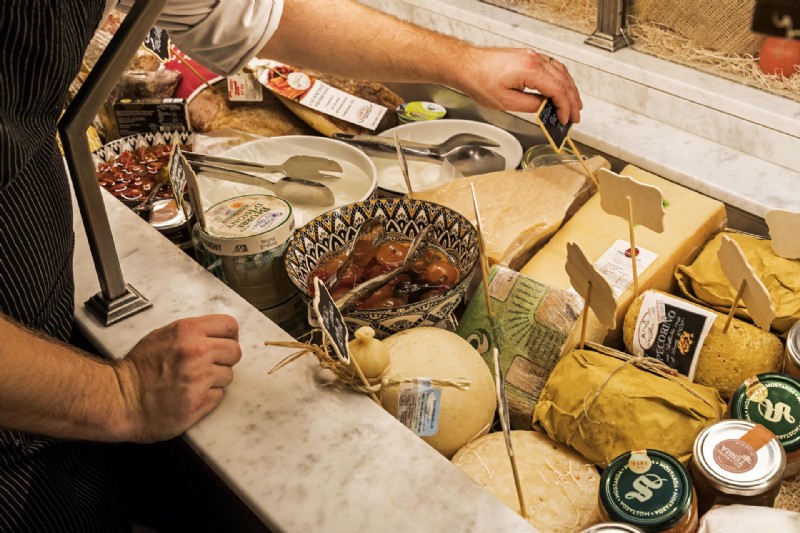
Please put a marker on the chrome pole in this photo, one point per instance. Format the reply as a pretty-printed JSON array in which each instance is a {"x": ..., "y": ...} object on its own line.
[
  {"x": 611, "y": 23},
  {"x": 117, "y": 300}
]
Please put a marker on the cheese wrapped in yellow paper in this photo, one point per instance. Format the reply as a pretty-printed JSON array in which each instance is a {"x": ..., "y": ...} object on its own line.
[
  {"x": 599, "y": 402},
  {"x": 703, "y": 281}
]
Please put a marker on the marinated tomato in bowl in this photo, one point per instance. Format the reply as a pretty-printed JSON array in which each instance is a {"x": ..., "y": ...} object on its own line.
[
  {"x": 430, "y": 275},
  {"x": 132, "y": 174}
]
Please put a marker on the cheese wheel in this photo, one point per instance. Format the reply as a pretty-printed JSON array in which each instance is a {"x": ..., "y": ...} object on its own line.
[
  {"x": 559, "y": 486},
  {"x": 434, "y": 353},
  {"x": 690, "y": 220},
  {"x": 726, "y": 360}
]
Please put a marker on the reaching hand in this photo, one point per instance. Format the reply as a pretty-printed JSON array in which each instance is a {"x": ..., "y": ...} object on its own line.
[
  {"x": 177, "y": 374},
  {"x": 497, "y": 77}
]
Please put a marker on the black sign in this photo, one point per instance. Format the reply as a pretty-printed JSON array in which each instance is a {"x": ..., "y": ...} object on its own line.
[
  {"x": 157, "y": 41},
  {"x": 780, "y": 18},
  {"x": 555, "y": 132},
  {"x": 331, "y": 320},
  {"x": 151, "y": 115}
]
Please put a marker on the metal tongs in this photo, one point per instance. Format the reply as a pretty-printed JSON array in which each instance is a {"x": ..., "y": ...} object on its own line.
[{"x": 295, "y": 185}]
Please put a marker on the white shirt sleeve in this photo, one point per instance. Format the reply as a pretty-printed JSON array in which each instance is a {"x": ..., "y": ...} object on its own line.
[{"x": 222, "y": 35}]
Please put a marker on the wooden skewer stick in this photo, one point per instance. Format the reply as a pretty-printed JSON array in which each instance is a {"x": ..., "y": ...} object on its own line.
[
  {"x": 364, "y": 380},
  {"x": 634, "y": 253},
  {"x": 482, "y": 254},
  {"x": 585, "y": 313},
  {"x": 518, "y": 483},
  {"x": 735, "y": 305},
  {"x": 580, "y": 158}
]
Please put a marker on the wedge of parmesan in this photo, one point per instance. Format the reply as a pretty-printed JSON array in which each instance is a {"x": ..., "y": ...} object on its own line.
[{"x": 520, "y": 209}]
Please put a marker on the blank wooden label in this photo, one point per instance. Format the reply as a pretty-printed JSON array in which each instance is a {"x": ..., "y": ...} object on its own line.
[
  {"x": 581, "y": 272},
  {"x": 784, "y": 229},
  {"x": 755, "y": 296},
  {"x": 647, "y": 200}
]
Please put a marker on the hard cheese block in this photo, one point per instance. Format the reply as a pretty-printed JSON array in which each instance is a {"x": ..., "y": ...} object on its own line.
[
  {"x": 691, "y": 220},
  {"x": 519, "y": 209}
]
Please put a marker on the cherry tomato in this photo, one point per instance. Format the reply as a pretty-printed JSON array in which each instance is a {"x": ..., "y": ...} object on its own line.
[
  {"x": 441, "y": 272},
  {"x": 392, "y": 253},
  {"x": 779, "y": 56}
]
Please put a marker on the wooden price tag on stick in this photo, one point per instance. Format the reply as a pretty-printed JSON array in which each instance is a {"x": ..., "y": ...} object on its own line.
[
  {"x": 334, "y": 328},
  {"x": 592, "y": 287},
  {"x": 558, "y": 134},
  {"x": 636, "y": 202},
  {"x": 784, "y": 230},
  {"x": 750, "y": 289},
  {"x": 157, "y": 43},
  {"x": 505, "y": 424},
  {"x": 401, "y": 159}
]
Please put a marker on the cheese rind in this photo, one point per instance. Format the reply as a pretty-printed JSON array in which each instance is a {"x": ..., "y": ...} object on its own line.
[
  {"x": 560, "y": 487},
  {"x": 691, "y": 220},
  {"x": 519, "y": 209}
]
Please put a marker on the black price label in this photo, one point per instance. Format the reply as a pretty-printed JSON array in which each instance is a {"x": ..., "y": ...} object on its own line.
[
  {"x": 157, "y": 41},
  {"x": 177, "y": 176},
  {"x": 555, "y": 131},
  {"x": 331, "y": 320},
  {"x": 780, "y": 18}
]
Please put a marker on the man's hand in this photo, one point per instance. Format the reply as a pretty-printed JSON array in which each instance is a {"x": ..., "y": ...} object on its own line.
[
  {"x": 177, "y": 374},
  {"x": 497, "y": 77}
]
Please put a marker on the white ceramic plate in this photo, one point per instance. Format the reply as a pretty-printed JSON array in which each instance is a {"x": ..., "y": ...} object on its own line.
[
  {"x": 358, "y": 179},
  {"x": 426, "y": 175}
]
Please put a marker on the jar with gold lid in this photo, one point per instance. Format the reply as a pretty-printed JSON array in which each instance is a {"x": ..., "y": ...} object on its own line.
[
  {"x": 736, "y": 461},
  {"x": 772, "y": 400},
  {"x": 650, "y": 490},
  {"x": 791, "y": 358}
]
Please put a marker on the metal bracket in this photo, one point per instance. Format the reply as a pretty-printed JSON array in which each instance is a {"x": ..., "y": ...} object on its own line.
[
  {"x": 117, "y": 300},
  {"x": 612, "y": 19}
]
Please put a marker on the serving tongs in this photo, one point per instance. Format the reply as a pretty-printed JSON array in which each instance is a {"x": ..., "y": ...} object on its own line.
[{"x": 296, "y": 184}]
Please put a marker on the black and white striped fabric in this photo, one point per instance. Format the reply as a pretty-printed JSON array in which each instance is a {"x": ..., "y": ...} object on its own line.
[{"x": 45, "y": 484}]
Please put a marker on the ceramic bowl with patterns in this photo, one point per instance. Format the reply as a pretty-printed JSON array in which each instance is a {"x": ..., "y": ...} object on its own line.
[
  {"x": 327, "y": 234},
  {"x": 127, "y": 167}
]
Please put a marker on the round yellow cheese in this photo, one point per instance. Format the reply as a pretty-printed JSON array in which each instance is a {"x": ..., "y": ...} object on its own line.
[
  {"x": 438, "y": 354},
  {"x": 560, "y": 488}
]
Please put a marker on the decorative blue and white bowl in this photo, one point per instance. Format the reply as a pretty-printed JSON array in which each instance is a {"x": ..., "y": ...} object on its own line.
[{"x": 328, "y": 233}]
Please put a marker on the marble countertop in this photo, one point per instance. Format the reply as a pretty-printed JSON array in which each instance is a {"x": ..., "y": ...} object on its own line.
[{"x": 302, "y": 456}]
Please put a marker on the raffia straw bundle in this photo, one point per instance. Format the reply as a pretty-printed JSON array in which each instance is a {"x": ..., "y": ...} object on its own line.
[
  {"x": 789, "y": 497},
  {"x": 577, "y": 15}
]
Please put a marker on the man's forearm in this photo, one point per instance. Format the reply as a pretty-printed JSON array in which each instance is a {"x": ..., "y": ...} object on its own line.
[
  {"x": 349, "y": 39},
  {"x": 53, "y": 389}
]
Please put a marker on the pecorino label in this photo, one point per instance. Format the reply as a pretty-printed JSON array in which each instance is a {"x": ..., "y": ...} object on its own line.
[{"x": 672, "y": 331}]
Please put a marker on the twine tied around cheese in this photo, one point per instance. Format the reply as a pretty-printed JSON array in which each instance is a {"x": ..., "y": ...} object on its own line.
[
  {"x": 649, "y": 364},
  {"x": 346, "y": 375}
]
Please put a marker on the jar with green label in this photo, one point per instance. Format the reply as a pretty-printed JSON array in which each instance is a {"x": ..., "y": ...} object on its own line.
[
  {"x": 737, "y": 462},
  {"x": 651, "y": 490},
  {"x": 772, "y": 400}
]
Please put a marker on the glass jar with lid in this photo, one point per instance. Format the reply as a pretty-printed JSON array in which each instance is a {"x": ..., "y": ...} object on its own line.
[
  {"x": 736, "y": 461},
  {"x": 612, "y": 527},
  {"x": 650, "y": 490},
  {"x": 791, "y": 359},
  {"x": 772, "y": 400}
]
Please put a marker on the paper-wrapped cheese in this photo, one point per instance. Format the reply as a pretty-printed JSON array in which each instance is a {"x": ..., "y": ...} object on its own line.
[
  {"x": 519, "y": 209},
  {"x": 691, "y": 219},
  {"x": 533, "y": 322},
  {"x": 560, "y": 487},
  {"x": 705, "y": 282},
  {"x": 421, "y": 362},
  {"x": 728, "y": 518},
  {"x": 602, "y": 404},
  {"x": 725, "y": 360}
]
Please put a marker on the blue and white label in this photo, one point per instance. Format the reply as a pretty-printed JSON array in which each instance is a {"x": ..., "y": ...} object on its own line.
[{"x": 418, "y": 407}]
